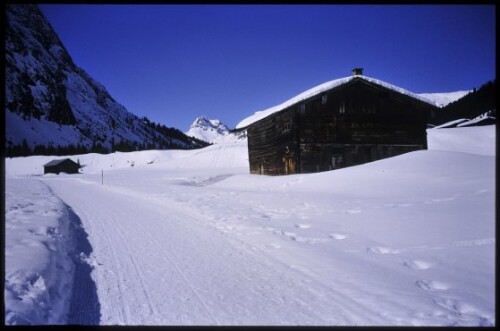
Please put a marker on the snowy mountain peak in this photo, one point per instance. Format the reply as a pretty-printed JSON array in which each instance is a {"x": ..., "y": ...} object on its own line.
[
  {"x": 205, "y": 123},
  {"x": 207, "y": 129}
]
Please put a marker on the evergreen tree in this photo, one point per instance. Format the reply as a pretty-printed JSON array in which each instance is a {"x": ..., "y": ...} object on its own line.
[{"x": 25, "y": 149}]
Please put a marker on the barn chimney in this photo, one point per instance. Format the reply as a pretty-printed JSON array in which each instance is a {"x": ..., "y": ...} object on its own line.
[{"x": 357, "y": 71}]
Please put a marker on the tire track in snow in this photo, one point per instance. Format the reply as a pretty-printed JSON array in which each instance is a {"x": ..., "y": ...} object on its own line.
[
  {"x": 303, "y": 308},
  {"x": 183, "y": 276},
  {"x": 313, "y": 302},
  {"x": 120, "y": 240},
  {"x": 134, "y": 264},
  {"x": 320, "y": 290},
  {"x": 164, "y": 256}
]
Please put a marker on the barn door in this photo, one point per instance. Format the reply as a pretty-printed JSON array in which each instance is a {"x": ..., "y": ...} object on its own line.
[{"x": 289, "y": 164}]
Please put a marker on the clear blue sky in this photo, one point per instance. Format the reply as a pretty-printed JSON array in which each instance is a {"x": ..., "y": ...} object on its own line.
[{"x": 174, "y": 63}]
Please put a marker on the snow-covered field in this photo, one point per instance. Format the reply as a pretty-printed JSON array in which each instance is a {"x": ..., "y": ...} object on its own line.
[{"x": 189, "y": 237}]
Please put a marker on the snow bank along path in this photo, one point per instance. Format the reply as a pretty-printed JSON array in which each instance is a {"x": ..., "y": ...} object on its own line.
[
  {"x": 44, "y": 248},
  {"x": 179, "y": 239}
]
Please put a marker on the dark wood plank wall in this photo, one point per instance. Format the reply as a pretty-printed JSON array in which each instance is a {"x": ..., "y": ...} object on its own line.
[
  {"x": 356, "y": 123},
  {"x": 273, "y": 145},
  {"x": 66, "y": 166}
]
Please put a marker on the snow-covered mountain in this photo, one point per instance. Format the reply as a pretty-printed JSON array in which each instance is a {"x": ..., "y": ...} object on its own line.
[
  {"x": 442, "y": 99},
  {"x": 52, "y": 101},
  {"x": 206, "y": 129}
]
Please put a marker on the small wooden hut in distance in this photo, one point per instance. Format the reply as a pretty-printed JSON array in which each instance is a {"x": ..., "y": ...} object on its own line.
[
  {"x": 341, "y": 123},
  {"x": 64, "y": 165}
]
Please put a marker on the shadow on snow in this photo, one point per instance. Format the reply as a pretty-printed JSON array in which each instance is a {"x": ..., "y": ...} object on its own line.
[{"x": 85, "y": 308}]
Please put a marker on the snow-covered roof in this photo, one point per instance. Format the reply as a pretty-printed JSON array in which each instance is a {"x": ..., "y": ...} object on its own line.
[
  {"x": 322, "y": 88},
  {"x": 56, "y": 162},
  {"x": 451, "y": 124},
  {"x": 477, "y": 120}
]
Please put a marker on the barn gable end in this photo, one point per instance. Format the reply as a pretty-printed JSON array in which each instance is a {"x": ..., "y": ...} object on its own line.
[{"x": 352, "y": 123}]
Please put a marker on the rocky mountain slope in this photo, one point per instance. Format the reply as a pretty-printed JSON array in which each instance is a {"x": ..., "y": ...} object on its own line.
[{"x": 52, "y": 103}]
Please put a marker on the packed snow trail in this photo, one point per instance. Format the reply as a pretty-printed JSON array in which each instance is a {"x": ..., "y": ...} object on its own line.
[{"x": 164, "y": 267}]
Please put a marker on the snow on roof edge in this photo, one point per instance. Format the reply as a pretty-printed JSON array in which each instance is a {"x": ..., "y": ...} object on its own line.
[
  {"x": 56, "y": 162},
  {"x": 257, "y": 116}
]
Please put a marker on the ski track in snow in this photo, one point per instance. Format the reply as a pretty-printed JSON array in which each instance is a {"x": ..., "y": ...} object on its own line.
[{"x": 130, "y": 228}]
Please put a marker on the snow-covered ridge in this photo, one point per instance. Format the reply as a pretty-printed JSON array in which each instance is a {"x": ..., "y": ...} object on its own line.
[
  {"x": 444, "y": 98},
  {"x": 210, "y": 130},
  {"x": 322, "y": 88}
]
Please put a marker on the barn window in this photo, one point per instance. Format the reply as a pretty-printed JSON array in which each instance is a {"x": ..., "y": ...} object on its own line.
[
  {"x": 342, "y": 108},
  {"x": 287, "y": 125},
  {"x": 324, "y": 99},
  {"x": 337, "y": 160}
]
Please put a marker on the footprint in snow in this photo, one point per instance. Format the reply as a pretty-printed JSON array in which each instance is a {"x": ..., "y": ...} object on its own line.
[
  {"x": 337, "y": 236},
  {"x": 398, "y": 205},
  {"x": 382, "y": 250},
  {"x": 308, "y": 240},
  {"x": 443, "y": 199},
  {"x": 464, "y": 310},
  {"x": 353, "y": 211},
  {"x": 417, "y": 264},
  {"x": 432, "y": 285},
  {"x": 284, "y": 233},
  {"x": 303, "y": 226}
]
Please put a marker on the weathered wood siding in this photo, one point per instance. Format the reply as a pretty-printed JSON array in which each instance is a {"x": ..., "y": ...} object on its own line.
[
  {"x": 355, "y": 123},
  {"x": 273, "y": 145},
  {"x": 359, "y": 123}
]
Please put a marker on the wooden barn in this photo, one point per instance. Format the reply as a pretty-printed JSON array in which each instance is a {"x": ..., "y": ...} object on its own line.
[
  {"x": 341, "y": 123},
  {"x": 64, "y": 165}
]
